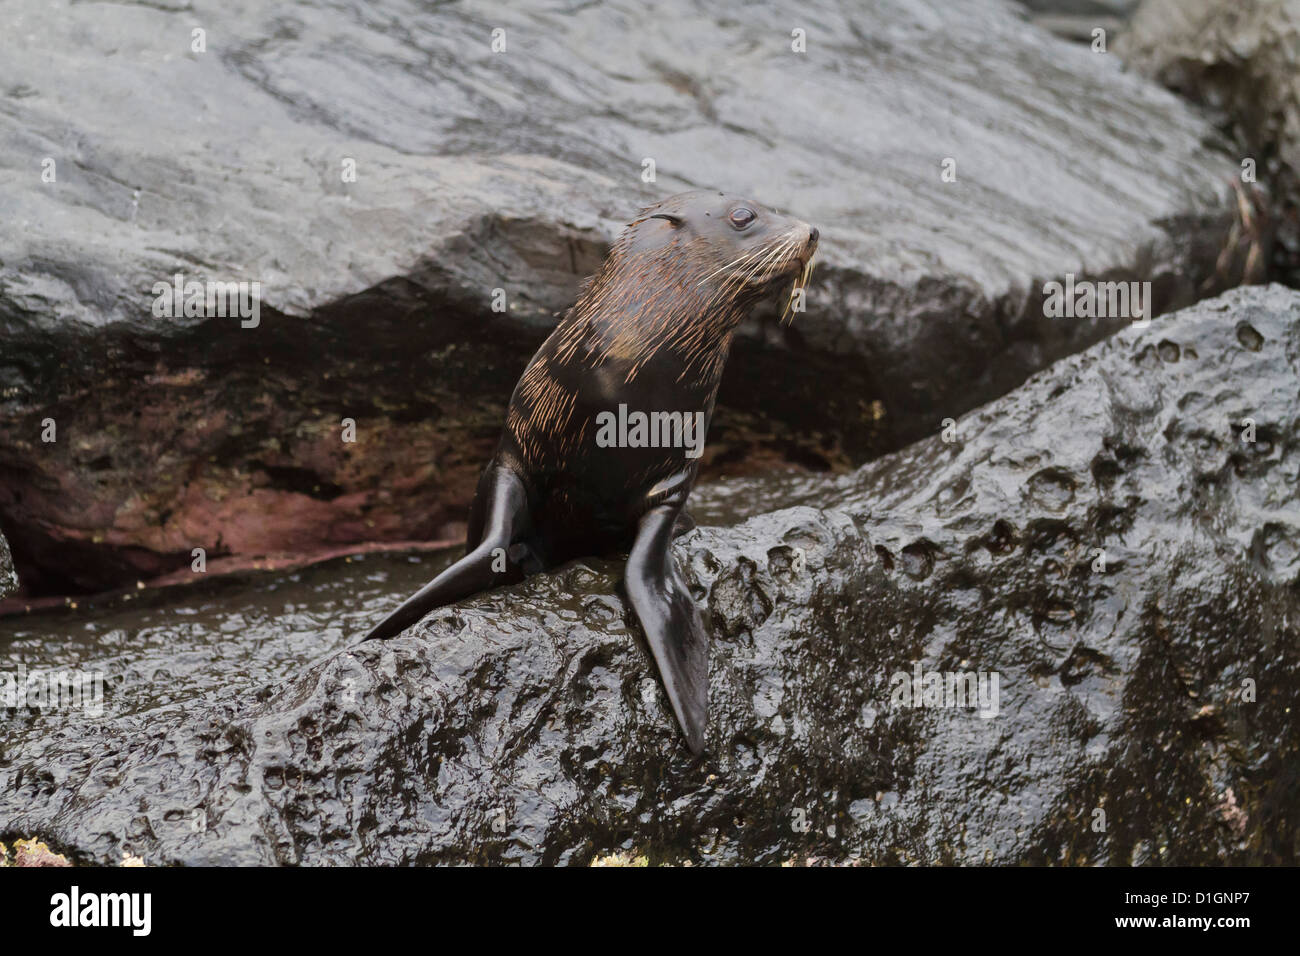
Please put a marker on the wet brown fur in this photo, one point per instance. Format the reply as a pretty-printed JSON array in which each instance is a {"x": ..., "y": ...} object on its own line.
[{"x": 676, "y": 297}]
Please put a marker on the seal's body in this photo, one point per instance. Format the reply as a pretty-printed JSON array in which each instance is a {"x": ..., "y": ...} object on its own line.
[{"x": 604, "y": 429}]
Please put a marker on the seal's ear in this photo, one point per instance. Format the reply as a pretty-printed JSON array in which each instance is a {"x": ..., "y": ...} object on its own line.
[{"x": 675, "y": 220}]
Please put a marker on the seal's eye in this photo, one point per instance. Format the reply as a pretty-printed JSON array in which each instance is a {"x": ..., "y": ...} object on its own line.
[{"x": 742, "y": 216}]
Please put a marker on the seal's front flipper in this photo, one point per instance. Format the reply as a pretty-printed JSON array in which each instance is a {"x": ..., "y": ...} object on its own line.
[
  {"x": 671, "y": 621},
  {"x": 505, "y": 516}
]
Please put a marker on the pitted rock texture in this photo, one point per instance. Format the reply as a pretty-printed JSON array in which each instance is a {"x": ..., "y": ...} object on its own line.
[
  {"x": 1118, "y": 540},
  {"x": 477, "y": 171}
]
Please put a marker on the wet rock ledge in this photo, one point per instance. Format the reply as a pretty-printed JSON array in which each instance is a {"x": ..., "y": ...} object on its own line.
[
  {"x": 1118, "y": 538},
  {"x": 477, "y": 171},
  {"x": 8, "y": 580}
]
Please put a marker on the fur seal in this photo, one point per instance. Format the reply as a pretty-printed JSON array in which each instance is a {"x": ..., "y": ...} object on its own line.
[{"x": 578, "y": 472}]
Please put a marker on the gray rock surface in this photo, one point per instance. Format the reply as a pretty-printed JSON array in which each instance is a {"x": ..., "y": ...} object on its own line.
[
  {"x": 1108, "y": 538},
  {"x": 1240, "y": 59},
  {"x": 478, "y": 170}
]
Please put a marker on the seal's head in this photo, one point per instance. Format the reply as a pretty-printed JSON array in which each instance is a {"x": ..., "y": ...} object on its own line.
[
  {"x": 724, "y": 242},
  {"x": 681, "y": 278}
]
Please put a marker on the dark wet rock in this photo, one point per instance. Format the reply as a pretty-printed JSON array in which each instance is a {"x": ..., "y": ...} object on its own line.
[
  {"x": 1240, "y": 59},
  {"x": 8, "y": 580},
  {"x": 477, "y": 171},
  {"x": 1119, "y": 539},
  {"x": 1083, "y": 8},
  {"x": 1077, "y": 19}
]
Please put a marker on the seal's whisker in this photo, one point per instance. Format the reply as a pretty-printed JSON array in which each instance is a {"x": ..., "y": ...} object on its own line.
[
  {"x": 800, "y": 284},
  {"x": 732, "y": 263},
  {"x": 765, "y": 256},
  {"x": 773, "y": 255}
]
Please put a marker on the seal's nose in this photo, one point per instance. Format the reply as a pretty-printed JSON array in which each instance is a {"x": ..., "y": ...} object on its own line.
[{"x": 812, "y": 235}]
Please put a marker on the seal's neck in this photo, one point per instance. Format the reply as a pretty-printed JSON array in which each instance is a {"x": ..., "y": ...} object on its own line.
[{"x": 648, "y": 306}]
